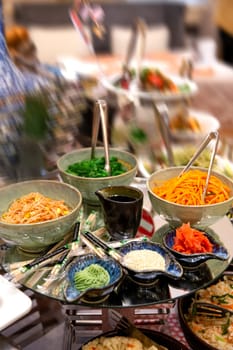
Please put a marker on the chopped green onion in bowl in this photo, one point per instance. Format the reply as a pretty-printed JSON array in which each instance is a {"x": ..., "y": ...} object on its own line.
[{"x": 95, "y": 167}]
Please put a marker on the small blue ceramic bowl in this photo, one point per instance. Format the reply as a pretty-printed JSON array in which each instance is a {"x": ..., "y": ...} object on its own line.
[
  {"x": 172, "y": 268},
  {"x": 91, "y": 295},
  {"x": 191, "y": 260}
]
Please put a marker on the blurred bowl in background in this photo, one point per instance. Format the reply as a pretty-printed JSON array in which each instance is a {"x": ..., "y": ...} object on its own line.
[
  {"x": 188, "y": 125},
  {"x": 149, "y": 162}
]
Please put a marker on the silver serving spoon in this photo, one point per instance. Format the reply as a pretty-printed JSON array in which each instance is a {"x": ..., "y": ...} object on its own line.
[{"x": 100, "y": 115}]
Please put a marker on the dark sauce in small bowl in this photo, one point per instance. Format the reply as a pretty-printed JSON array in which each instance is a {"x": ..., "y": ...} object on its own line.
[{"x": 122, "y": 199}]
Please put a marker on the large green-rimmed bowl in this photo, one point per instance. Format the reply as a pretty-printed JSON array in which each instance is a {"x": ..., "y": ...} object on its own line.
[
  {"x": 176, "y": 214},
  {"x": 36, "y": 237},
  {"x": 88, "y": 186}
]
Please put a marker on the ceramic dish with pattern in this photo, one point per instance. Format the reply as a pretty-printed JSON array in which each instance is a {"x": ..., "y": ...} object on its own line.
[
  {"x": 218, "y": 250},
  {"x": 145, "y": 261},
  {"x": 91, "y": 278}
]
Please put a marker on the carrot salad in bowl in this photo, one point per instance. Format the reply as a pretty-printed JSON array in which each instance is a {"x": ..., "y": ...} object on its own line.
[{"x": 188, "y": 188}]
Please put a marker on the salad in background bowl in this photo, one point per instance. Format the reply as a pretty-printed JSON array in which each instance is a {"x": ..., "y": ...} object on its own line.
[
  {"x": 153, "y": 85},
  {"x": 188, "y": 125},
  {"x": 149, "y": 162}
]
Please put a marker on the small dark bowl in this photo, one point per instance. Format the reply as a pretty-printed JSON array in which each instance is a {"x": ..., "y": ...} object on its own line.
[
  {"x": 192, "y": 260},
  {"x": 92, "y": 295},
  {"x": 172, "y": 268}
]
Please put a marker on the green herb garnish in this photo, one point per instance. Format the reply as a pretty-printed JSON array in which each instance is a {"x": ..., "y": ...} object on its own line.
[
  {"x": 226, "y": 326},
  {"x": 95, "y": 167},
  {"x": 221, "y": 298}
]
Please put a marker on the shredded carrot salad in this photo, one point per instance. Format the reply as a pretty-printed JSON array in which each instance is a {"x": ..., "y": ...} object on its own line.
[
  {"x": 189, "y": 240},
  {"x": 188, "y": 188},
  {"x": 33, "y": 208}
]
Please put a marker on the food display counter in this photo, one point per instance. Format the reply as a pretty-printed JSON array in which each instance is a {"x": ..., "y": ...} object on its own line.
[{"x": 149, "y": 303}]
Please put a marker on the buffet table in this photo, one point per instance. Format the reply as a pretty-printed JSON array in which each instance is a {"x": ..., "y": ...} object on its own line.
[{"x": 148, "y": 306}]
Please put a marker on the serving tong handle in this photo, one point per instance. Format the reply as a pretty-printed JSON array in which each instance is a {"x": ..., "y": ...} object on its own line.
[
  {"x": 161, "y": 112},
  {"x": 212, "y": 135},
  {"x": 130, "y": 50},
  {"x": 211, "y": 310},
  {"x": 138, "y": 32},
  {"x": 100, "y": 114}
]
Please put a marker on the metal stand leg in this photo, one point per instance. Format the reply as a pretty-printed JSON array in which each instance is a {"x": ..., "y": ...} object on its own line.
[
  {"x": 84, "y": 323},
  {"x": 69, "y": 335}
]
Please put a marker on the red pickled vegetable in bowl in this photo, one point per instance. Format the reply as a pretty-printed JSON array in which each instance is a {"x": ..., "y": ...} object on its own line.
[{"x": 189, "y": 240}]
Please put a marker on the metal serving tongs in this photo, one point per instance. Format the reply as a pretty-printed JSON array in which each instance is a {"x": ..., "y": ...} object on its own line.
[
  {"x": 212, "y": 135},
  {"x": 100, "y": 114},
  {"x": 161, "y": 113},
  {"x": 138, "y": 32},
  {"x": 210, "y": 310},
  {"x": 129, "y": 52}
]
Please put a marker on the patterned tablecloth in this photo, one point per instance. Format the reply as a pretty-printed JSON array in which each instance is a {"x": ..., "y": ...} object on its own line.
[{"x": 174, "y": 329}]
